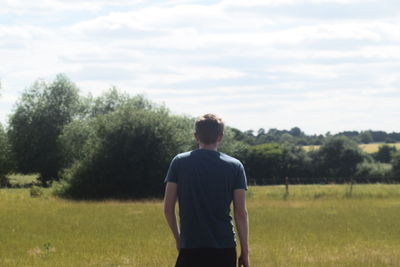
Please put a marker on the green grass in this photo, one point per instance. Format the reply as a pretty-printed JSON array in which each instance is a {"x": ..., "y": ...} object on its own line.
[
  {"x": 22, "y": 180},
  {"x": 317, "y": 225}
]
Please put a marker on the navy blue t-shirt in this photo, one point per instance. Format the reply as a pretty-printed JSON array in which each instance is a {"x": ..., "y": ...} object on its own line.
[{"x": 206, "y": 180}]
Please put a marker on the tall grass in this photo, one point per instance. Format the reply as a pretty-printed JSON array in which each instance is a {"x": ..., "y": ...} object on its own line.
[
  {"x": 22, "y": 180},
  {"x": 313, "y": 226}
]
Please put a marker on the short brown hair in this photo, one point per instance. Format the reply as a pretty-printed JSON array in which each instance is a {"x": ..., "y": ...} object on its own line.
[{"x": 208, "y": 127}]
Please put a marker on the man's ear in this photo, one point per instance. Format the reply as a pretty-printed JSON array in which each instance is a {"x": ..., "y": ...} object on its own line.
[{"x": 196, "y": 137}]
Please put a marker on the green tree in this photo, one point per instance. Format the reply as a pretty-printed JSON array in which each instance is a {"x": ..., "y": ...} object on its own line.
[
  {"x": 40, "y": 115},
  {"x": 73, "y": 139},
  {"x": 337, "y": 157},
  {"x": 370, "y": 169},
  {"x": 384, "y": 153},
  {"x": 128, "y": 153},
  {"x": 296, "y": 163},
  {"x": 396, "y": 164},
  {"x": 6, "y": 163},
  {"x": 296, "y": 132},
  {"x": 365, "y": 137},
  {"x": 111, "y": 101},
  {"x": 264, "y": 163},
  {"x": 76, "y": 134},
  {"x": 287, "y": 138},
  {"x": 230, "y": 145}
]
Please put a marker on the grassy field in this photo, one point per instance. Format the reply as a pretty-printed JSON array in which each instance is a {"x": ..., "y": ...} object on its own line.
[
  {"x": 369, "y": 148},
  {"x": 316, "y": 225}
]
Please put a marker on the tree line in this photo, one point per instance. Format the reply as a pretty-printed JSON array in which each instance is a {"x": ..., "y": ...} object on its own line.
[
  {"x": 297, "y": 136},
  {"x": 117, "y": 145}
]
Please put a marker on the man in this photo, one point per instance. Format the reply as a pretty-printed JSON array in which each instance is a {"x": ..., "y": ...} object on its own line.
[{"x": 205, "y": 182}]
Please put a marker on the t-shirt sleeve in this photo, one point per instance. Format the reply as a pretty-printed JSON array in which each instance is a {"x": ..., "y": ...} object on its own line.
[
  {"x": 172, "y": 174},
  {"x": 240, "y": 179}
]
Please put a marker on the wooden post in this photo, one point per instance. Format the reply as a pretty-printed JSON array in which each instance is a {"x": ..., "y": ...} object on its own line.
[
  {"x": 351, "y": 187},
  {"x": 286, "y": 187}
]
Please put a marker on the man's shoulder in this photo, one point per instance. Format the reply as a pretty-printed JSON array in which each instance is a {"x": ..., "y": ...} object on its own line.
[
  {"x": 230, "y": 159},
  {"x": 193, "y": 155},
  {"x": 183, "y": 155}
]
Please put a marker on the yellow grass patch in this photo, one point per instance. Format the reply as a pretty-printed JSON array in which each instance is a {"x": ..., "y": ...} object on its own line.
[{"x": 369, "y": 148}]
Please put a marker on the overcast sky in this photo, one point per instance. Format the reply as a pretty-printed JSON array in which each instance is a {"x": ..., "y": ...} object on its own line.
[{"x": 321, "y": 65}]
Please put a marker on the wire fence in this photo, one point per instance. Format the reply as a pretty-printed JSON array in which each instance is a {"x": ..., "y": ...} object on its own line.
[{"x": 323, "y": 180}]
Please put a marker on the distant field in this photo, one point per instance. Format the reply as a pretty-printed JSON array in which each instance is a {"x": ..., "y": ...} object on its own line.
[
  {"x": 369, "y": 148},
  {"x": 317, "y": 225}
]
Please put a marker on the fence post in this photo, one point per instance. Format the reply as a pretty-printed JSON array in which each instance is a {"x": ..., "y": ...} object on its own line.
[
  {"x": 351, "y": 187},
  {"x": 286, "y": 187}
]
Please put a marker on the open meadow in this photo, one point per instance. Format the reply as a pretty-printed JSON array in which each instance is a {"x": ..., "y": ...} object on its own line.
[{"x": 315, "y": 225}]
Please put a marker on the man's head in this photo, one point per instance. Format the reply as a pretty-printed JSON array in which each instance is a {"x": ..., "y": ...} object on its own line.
[{"x": 209, "y": 129}]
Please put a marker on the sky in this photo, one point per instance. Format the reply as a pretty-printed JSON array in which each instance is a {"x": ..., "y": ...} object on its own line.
[{"x": 321, "y": 65}]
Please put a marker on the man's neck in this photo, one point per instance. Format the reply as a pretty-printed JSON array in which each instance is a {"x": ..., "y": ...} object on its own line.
[{"x": 208, "y": 147}]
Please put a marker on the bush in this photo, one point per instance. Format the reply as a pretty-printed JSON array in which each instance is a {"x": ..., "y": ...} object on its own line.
[
  {"x": 271, "y": 163},
  {"x": 36, "y": 191},
  {"x": 296, "y": 162},
  {"x": 264, "y": 162},
  {"x": 6, "y": 164},
  {"x": 338, "y": 157},
  {"x": 128, "y": 154},
  {"x": 384, "y": 153},
  {"x": 396, "y": 164},
  {"x": 73, "y": 140},
  {"x": 230, "y": 145},
  {"x": 375, "y": 171}
]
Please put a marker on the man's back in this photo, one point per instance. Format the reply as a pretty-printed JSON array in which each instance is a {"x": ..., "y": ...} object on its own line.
[{"x": 206, "y": 180}]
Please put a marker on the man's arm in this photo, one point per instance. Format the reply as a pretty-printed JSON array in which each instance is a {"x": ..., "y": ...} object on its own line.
[
  {"x": 242, "y": 224},
  {"x": 169, "y": 209}
]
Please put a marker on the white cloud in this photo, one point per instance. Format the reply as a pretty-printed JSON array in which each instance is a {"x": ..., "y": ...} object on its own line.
[
  {"x": 252, "y": 3},
  {"x": 22, "y": 7},
  {"x": 254, "y": 67}
]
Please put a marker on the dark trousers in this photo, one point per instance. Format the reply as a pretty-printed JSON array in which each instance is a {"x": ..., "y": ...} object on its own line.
[{"x": 206, "y": 257}]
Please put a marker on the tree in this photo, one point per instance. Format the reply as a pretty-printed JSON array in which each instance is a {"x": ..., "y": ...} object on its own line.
[
  {"x": 365, "y": 137},
  {"x": 390, "y": 140},
  {"x": 296, "y": 163},
  {"x": 286, "y": 138},
  {"x": 40, "y": 115},
  {"x": 73, "y": 139},
  {"x": 76, "y": 134},
  {"x": 128, "y": 153},
  {"x": 396, "y": 164},
  {"x": 296, "y": 132},
  {"x": 337, "y": 157},
  {"x": 230, "y": 145},
  {"x": 242, "y": 137},
  {"x": 264, "y": 163},
  {"x": 111, "y": 101},
  {"x": 5, "y": 158},
  {"x": 260, "y": 132},
  {"x": 384, "y": 153}
]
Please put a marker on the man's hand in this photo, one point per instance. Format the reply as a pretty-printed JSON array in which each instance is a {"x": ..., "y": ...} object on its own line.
[
  {"x": 243, "y": 261},
  {"x": 242, "y": 225},
  {"x": 177, "y": 244},
  {"x": 169, "y": 210}
]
